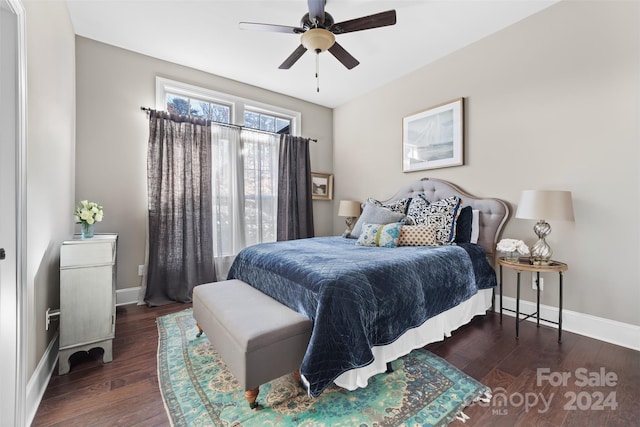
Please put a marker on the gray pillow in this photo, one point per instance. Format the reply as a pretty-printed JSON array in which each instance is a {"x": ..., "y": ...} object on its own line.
[{"x": 372, "y": 214}]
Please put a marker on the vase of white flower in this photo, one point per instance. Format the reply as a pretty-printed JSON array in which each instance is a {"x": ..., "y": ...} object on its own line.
[
  {"x": 512, "y": 249},
  {"x": 511, "y": 256},
  {"x": 87, "y": 230},
  {"x": 87, "y": 214}
]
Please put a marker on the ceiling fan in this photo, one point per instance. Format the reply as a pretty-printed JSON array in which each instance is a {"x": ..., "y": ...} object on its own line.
[{"x": 318, "y": 30}]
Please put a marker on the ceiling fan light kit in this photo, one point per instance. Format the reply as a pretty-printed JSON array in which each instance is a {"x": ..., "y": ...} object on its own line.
[
  {"x": 318, "y": 32},
  {"x": 317, "y": 39}
]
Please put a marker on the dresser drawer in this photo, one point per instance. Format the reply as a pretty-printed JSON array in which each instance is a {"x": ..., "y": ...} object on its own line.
[{"x": 86, "y": 253}]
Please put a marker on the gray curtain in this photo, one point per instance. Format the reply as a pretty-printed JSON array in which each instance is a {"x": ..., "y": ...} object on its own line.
[
  {"x": 180, "y": 207},
  {"x": 295, "y": 210}
]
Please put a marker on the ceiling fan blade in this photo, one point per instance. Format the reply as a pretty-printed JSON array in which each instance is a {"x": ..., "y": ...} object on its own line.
[
  {"x": 377, "y": 20},
  {"x": 343, "y": 56},
  {"x": 316, "y": 10},
  {"x": 293, "y": 58},
  {"x": 255, "y": 26}
]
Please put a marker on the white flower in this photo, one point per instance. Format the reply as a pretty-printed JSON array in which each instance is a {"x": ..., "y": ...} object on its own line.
[
  {"x": 513, "y": 245},
  {"x": 88, "y": 212}
]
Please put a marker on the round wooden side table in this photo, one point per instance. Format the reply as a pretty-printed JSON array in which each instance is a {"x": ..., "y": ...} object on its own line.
[{"x": 523, "y": 264}]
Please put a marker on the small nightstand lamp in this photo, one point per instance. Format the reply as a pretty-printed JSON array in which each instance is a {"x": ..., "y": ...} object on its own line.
[
  {"x": 547, "y": 204},
  {"x": 349, "y": 209}
]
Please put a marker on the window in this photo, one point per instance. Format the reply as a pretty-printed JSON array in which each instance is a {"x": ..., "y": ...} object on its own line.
[
  {"x": 244, "y": 164},
  {"x": 214, "y": 111},
  {"x": 183, "y": 98},
  {"x": 260, "y": 154},
  {"x": 267, "y": 122}
]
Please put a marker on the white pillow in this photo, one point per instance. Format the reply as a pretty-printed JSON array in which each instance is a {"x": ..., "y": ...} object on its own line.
[
  {"x": 475, "y": 226},
  {"x": 373, "y": 214}
]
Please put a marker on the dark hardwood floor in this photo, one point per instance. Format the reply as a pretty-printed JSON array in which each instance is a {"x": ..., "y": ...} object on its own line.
[{"x": 125, "y": 392}]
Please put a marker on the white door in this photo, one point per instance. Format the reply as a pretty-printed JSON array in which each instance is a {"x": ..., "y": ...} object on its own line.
[{"x": 12, "y": 394}]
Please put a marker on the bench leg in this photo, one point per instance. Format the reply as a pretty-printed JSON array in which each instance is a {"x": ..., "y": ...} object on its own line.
[
  {"x": 200, "y": 331},
  {"x": 251, "y": 396}
]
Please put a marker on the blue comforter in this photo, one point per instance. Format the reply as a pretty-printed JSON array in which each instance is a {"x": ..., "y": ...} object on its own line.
[{"x": 359, "y": 297}]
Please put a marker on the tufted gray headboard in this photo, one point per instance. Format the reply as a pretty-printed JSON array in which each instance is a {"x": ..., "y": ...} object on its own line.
[{"x": 493, "y": 212}]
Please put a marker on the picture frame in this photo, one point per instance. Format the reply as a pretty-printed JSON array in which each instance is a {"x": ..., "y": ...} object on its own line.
[
  {"x": 434, "y": 138},
  {"x": 321, "y": 186}
]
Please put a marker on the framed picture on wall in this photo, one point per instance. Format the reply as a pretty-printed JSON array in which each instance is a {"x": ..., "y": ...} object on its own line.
[
  {"x": 321, "y": 186},
  {"x": 434, "y": 138}
]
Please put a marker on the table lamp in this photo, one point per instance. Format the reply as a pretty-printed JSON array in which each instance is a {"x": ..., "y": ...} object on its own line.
[
  {"x": 543, "y": 205},
  {"x": 349, "y": 209}
]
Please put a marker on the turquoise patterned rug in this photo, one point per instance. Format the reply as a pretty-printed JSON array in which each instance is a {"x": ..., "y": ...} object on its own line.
[{"x": 198, "y": 390}]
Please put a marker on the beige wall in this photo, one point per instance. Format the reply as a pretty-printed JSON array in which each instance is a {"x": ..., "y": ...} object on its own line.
[
  {"x": 112, "y": 135},
  {"x": 551, "y": 103},
  {"x": 50, "y": 162}
]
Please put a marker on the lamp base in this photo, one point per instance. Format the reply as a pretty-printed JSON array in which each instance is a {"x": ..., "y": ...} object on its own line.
[
  {"x": 541, "y": 251},
  {"x": 350, "y": 221},
  {"x": 539, "y": 262}
]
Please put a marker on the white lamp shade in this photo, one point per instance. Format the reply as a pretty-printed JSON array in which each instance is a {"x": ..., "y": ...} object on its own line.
[
  {"x": 349, "y": 208},
  {"x": 545, "y": 204}
]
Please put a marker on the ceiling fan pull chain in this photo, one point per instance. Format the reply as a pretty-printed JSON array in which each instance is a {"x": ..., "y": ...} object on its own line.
[{"x": 318, "y": 72}]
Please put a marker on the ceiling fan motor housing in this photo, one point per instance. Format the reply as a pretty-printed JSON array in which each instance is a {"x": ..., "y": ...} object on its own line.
[{"x": 307, "y": 23}]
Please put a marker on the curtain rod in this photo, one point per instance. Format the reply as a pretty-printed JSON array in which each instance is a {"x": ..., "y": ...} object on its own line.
[{"x": 148, "y": 110}]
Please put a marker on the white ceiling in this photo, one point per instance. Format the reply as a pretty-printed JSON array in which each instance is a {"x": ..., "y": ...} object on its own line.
[{"x": 204, "y": 34}]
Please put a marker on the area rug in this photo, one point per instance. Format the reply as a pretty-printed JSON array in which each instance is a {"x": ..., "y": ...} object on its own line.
[{"x": 199, "y": 390}]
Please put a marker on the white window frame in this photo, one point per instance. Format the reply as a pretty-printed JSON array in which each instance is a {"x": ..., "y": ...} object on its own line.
[{"x": 237, "y": 104}]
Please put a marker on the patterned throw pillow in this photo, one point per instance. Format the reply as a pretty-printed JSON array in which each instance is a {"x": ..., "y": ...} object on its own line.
[
  {"x": 441, "y": 214},
  {"x": 384, "y": 235},
  {"x": 400, "y": 205},
  {"x": 417, "y": 235},
  {"x": 417, "y": 210}
]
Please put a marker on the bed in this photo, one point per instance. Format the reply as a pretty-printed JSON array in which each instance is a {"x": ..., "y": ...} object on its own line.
[{"x": 371, "y": 304}]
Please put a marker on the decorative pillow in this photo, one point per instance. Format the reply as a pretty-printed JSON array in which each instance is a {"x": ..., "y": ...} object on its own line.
[
  {"x": 463, "y": 225},
  {"x": 383, "y": 235},
  {"x": 475, "y": 226},
  {"x": 372, "y": 214},
  {"x": 400, "y": 205},
  {"x": 441, "y": 214},
  {"x": 417, "y": 235},
  {"x": 417, "y": 209}
]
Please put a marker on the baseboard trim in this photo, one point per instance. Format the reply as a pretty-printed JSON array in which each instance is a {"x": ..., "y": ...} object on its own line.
[
  {"x": 127, "y": 296},
  {"x": 611, "y": 331},
  {"x": 40, "y": 379}
]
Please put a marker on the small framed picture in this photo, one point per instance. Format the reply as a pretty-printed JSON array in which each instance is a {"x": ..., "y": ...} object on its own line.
[
  {"x": 321, "y": 186},
  {"x": 434, "y": 138}
]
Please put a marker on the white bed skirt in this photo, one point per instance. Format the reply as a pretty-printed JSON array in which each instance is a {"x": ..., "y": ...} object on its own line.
[{"x": 434, "y": 329}]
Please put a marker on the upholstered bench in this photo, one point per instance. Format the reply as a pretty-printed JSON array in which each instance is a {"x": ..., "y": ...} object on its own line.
[{"x": 258, "y": 338}]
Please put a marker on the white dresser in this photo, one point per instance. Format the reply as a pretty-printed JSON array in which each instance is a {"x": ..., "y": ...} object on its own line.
[{"x": 87, "y": 296}]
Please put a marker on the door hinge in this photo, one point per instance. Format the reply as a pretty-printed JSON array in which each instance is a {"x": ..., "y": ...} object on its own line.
[{"x": 3, "y": 254}]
